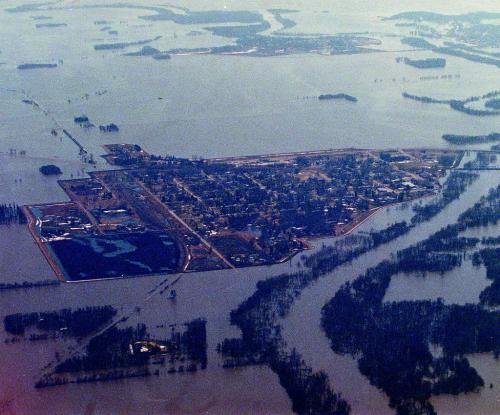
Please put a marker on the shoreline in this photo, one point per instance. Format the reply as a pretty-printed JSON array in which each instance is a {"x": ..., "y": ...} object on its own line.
[
  {"x": 43, "y": 248},
  {"x": 357, "y": 223},
  {"x": 332, "y": 151}
]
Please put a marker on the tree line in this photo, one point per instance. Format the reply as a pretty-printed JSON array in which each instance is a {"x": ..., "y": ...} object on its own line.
[
  {"x": 391, "y": 340},
  {"x": 74, "y": 323},
  {"x": 11, "y": 213}
]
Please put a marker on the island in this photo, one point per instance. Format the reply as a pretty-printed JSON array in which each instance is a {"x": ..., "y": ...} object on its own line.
[
  {"x": 41, "y": 17},
  {"x": 109, "y": 128},
  {"x": 493, "y": 104},
  {"x": 123, "y": 45},
  {"x": 471, "y": 139},
  {"x": 26, "y": 66},
  {"x": 119, "y": 353},
  {"x": 462, "y": 105},
  {"x": 325, "y": 97},
  {"x": 151, "y": 52},
  {"x": 83, "y": 121},
  {"x": 69, "y": 323},
  {"x": 144, "y": 51},
  {"x": 186, "y": 215},
  {"x": 429, "y": 63},
  {"x": 50, "y": 25},
  {"x": 50, "y": 170}
]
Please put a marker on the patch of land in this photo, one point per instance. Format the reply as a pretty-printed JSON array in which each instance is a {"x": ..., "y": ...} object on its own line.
[
  {"x": 148, "y": 51},
  {"x": 429, "y": 63},
  {"x": 471, "y": 139},
  {"x": 118, "y": 353},
  {"x": 50, "y": 25},
  {"x": 223, "y": 213},
  {"x": 26, "y": 66},
  {"x": 341, "y": 96},
  {"x": 461, "y": 105}
]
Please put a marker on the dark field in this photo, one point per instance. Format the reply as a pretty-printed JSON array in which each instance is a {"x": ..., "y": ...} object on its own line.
[{"x": 87, "y": 257}]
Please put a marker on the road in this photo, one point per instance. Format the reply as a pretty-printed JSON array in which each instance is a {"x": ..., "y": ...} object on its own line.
[
  {"x": 171, "y": 213},
  {"x": 43, "y": 246},
  {"x": 47, "y": 113}
]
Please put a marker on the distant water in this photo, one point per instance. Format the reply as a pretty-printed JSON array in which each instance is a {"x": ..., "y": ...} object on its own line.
[{"x": 216, "y": 106}]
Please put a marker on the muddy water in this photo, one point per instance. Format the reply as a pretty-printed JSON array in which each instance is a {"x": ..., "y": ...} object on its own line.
[
  {"x": 216, "y": 106},
  {"x": 306, "y": 312},
  {"x": 211, "y": 106},
  {"x": 459, "y": 286},
  {"x": 211, "y": 295},
  {"x": 214, "y": 391}
]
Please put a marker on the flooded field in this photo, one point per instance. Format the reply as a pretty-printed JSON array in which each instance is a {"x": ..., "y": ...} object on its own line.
[
  {"x": 212, "y": 295},
  {"x": 457, "y": 287},
  {"x": 462, "y": 286},
  {"x": 226, "y": 105},
  {"x": 116, "y": 255},
  {"x": 216, "y": 106}
]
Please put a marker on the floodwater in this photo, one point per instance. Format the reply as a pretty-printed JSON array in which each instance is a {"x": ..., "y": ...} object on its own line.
[
  {"x": 460, "y": 286},
  {"x": 215, "y": 106},
  {"x": 304, "y": 317},
  {"x": 211, "y": 106},
  {"x": 207, "y": 295}
]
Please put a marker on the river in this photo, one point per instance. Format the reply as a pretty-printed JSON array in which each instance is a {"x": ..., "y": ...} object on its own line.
[
  {"x": 304, "y": 317},
  {"x": 214, "y": 106}
]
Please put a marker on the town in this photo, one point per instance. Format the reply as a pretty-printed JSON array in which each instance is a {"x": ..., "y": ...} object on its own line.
[{"x": 153, "y": 214}]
